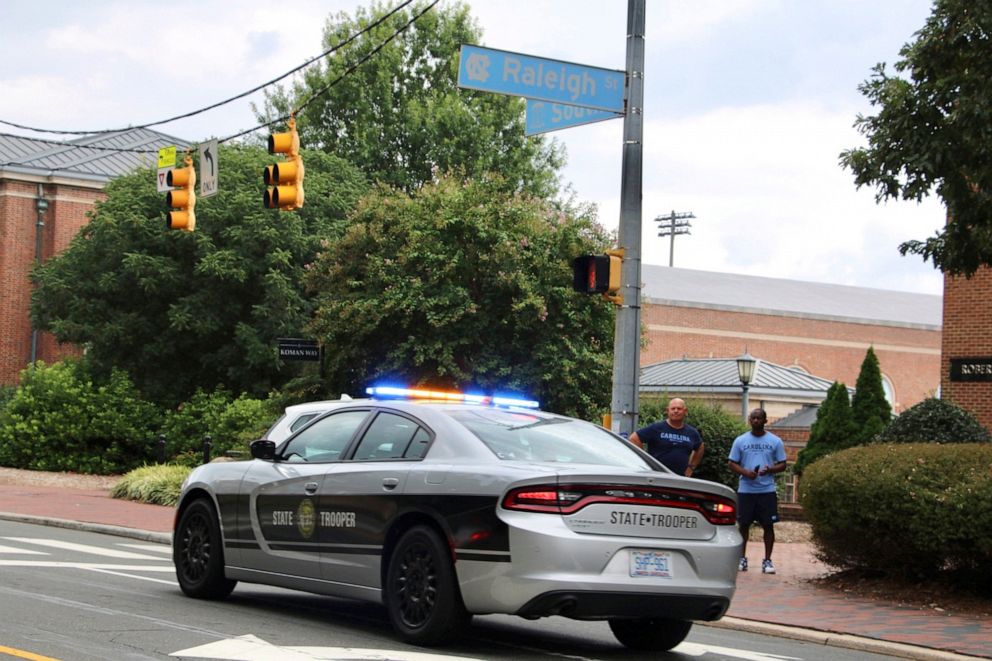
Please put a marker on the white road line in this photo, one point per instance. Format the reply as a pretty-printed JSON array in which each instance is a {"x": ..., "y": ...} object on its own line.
[
  {"x": 143, "y": 578},
  {"x": 11, "y": 549},
  {"x": 83, "y": 548},
  {"x": 163, "y": 549},
  {"x": 84, "y": 565}
]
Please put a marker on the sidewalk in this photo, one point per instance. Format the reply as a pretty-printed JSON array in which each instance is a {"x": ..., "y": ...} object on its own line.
[{"x": 783, "y": 604}]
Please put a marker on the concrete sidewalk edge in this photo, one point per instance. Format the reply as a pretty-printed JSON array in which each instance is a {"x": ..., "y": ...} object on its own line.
[
  {"x": 833, "y": 639},
  {"x": 826, "y": 638}
]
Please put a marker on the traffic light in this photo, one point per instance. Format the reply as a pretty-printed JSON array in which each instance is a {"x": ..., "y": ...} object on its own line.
[
  {"x": 598, "y": 274},
  {"x": 284, "y": 180},
  {"x": 183, "y": 198}
]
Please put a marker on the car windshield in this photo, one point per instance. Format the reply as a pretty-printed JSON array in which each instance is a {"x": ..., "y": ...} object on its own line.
[{"x": 522, "y": 436}]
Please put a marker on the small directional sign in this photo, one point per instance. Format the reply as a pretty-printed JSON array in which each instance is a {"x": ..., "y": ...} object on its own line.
[
  {"x": 515, "y": 74},
  {"x": 543, "y": 117},
  {"x": 293, "y": 348},
  {"x": 208, "y": 169},
  {"x": 166, "y": 162}
]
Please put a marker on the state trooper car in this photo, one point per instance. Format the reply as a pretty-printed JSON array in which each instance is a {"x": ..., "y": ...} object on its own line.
[{"x": 443, "y": 505}]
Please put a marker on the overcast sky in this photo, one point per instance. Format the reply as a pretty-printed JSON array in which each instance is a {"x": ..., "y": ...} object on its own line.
[{"x": 747, "y": 105}]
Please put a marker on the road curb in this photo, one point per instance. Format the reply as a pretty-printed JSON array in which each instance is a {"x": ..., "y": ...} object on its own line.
[
  {"x": 844, "y": 640},
  {"x": 132, "y": 533}
]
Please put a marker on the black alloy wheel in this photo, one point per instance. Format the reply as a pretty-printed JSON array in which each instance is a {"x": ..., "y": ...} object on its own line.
[{"x": 198, "y": 555}]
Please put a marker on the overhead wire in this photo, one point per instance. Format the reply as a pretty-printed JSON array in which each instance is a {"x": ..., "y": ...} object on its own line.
[{"x": 305, "y": 64}]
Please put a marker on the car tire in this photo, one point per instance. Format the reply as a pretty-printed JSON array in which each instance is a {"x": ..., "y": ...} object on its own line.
[
  {"x": 652, "y": 634},
  {"x": 421, "y": 593},
  {"x": 198, "y": 554}
]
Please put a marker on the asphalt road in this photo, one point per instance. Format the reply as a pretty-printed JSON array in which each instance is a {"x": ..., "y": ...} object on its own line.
[{"x": 80, "y": 596}]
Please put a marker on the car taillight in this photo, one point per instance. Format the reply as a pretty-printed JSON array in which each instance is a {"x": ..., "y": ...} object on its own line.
[{"x": 570, "y": 498}]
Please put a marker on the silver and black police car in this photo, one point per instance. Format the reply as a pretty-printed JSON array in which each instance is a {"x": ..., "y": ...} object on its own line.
[{"x": 442, "y": 505}]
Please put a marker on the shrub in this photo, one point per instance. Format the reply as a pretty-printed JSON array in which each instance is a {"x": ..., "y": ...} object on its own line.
[
  {"x": 158, "y": 484},
  {"x": 717, "y": 427},
  {"x": 833, "y": 430},
  {"x": 935, "y": 421},
  {"x": 231, "y": 423},
  {"x": 909, "y": 509},
  {"x": 62, "y": 419}
]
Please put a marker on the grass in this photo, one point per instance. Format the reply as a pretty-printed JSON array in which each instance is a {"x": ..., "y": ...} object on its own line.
[{"x": 158, "y": 484}]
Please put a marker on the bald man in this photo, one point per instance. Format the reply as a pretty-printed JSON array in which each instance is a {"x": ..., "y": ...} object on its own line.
[{"x": 672, "y": 442}]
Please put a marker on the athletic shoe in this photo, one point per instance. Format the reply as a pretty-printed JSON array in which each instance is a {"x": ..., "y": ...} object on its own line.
[
  {"x": 742, "y": 566},
  {"x": 767, "y": 567}
]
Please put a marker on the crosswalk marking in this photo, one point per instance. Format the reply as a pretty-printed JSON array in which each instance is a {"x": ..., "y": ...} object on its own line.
[
  {"x": 163, "y": 549},
  {"x": 83, "y": 548},
  {"x": 84, "y": 565},
  {"x": 19, "y": 551}
]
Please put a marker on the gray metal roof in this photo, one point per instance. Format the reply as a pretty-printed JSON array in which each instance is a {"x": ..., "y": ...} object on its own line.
[
  {"x": 719, "y": 375},
  {"x": 802, "y": 418},
  {"x": 747, "y": 293},
  {"x": 93, "y": 157}
]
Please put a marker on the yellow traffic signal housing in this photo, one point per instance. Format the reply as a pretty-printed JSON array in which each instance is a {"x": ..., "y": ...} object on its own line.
[
  {"x": 599, "y": 274},
  {"x": 284, "y": 180},
  {"x": 183, "y": 198}
]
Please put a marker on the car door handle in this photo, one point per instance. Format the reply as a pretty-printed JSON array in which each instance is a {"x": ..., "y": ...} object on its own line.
[
  {"x": 390, "y": 482},
  {"x": 310, "y": 487}
]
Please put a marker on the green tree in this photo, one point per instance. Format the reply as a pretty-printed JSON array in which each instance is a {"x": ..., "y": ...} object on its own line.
[
  {"x": 870, "y": 411},
  {"x": 400, "y": 116},
  {"x": 932, "y": 132},
  {"x": 465, "y": 285},
  {"x": 179, "y": 311},
  {"x": 833, "y": 429}
]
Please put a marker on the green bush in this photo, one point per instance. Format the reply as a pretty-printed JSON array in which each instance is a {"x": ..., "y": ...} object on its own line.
[
  {"x": 913, "y": 510},
  {"x": 158, "y": 484},
  {"x": 717, "y": 427},
  {"x": 60, "y": 418},
  {"x": 935, "y": 421},
  {"x": 231, "y": 423}
]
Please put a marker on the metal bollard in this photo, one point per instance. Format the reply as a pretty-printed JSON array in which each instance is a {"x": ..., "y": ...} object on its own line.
[
  {"x": 160, "y": 448},
  {"x": 207, "y": 444}
]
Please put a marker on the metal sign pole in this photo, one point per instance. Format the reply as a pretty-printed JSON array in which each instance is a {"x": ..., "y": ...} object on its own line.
[{"x": 627, "y": 344}]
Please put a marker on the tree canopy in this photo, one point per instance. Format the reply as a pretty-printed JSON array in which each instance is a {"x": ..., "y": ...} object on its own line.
[
  {"x": 933, "y": 132},
  {"x": 401, "y": 118},
  {"x": 463, "y": 284},
  {"x": 833, "y": 429},
  {"x": 179, "y": 310}
]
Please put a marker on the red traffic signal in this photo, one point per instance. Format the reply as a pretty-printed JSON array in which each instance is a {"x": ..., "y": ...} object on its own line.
[{"x": 596, "y": 274}]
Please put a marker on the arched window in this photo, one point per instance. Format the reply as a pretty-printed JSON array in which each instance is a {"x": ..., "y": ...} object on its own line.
[{"x": 890, "y": 392}]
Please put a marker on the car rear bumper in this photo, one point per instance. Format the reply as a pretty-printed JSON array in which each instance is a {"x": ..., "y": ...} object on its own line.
[{"x": 580, "y": 605}]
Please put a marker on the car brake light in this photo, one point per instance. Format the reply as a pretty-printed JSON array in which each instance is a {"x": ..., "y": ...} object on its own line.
[{"x": 570, "y": 498}]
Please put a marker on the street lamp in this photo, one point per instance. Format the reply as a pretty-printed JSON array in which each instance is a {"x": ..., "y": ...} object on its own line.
[{"x": 745, "y": 372}]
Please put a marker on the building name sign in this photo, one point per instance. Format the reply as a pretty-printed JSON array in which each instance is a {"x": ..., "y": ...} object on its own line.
[{"x": 971, "y": 369}]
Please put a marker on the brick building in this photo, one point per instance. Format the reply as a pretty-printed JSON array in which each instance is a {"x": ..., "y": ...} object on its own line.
[
  {"x": 46, "y": 190},
  {"x": 966, "y": 368},
  {"x": 817, "y": 328}
]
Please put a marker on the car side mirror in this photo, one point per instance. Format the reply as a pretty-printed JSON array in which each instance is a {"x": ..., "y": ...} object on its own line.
[{"x": 263, "y": 448}]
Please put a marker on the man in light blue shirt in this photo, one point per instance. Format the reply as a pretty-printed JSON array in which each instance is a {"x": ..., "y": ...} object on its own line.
[{"x": 757, "y": 456}]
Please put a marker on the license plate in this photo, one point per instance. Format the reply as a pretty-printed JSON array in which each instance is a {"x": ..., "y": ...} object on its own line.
[{"x": 651, "y": 563}]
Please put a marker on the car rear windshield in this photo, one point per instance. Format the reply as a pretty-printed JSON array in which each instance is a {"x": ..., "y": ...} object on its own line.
[{"x": 522, "y": 436}]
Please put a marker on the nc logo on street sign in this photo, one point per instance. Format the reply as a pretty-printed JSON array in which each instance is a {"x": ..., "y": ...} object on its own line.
[{"x": 515, "y": 74}]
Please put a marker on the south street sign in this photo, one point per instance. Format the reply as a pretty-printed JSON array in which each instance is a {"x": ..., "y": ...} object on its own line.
[
  {"x": 515, "y": 74},
  {"x": 543, "y": 117},
  {"x": 292, "y": 348}
]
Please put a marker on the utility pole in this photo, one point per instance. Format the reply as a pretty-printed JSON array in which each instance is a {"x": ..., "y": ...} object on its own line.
[
  {"x": 627, "y": 341},
  {"x": 678, "y": 223}
]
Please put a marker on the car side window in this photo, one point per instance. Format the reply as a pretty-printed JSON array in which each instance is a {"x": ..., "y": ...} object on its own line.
[
  {"x": 302, "y": 420},
  {"x": 418, "y": 447},
  {"x": 325, "y": 439},
  {"x": 387, "y": 437}
]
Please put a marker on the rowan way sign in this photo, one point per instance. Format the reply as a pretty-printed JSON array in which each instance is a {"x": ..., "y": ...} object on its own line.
[{"x": 292, "y": 348}]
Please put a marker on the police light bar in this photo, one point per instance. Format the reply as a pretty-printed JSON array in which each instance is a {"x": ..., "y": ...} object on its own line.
[{"x": 385, "y": 392}]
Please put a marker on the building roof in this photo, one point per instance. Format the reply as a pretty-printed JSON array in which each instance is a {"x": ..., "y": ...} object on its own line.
[
  {"x": 98, "y": 157},
  {"x": 664, "y": 285},
  {"x": 801, "y": 418},
  {"x": 719, "y": 375}
]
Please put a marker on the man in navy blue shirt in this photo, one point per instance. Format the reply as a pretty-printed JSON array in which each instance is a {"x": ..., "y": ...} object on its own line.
[{"x": 672, "y": 442}]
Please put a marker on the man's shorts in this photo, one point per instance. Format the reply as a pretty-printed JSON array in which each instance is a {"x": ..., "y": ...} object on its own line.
[{"x": 760, "y": 507}]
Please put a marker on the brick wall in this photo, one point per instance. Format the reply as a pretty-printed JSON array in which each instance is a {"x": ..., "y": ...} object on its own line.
[
  {"x": 66, "y": 214},
  {"x": 968, "y": 334},
  {"x": 908, "y": 357}
]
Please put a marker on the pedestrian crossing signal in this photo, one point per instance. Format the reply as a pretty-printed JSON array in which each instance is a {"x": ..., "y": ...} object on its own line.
[{"x": 598, "y": 274}]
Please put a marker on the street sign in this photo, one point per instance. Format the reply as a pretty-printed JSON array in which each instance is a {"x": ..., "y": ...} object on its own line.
[
  {"x": 208, "y": 169},
  {"x": 293, "y": 348},
  {"x": 515, "y": 74},
  {"x": 543, "y": 117},
  {"x": 166, "y": 162}
]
